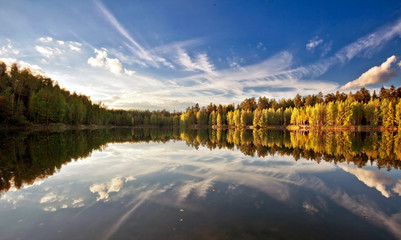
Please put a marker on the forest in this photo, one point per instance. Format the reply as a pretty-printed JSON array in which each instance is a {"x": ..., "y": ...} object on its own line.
[{"x": 27, "y": 99}]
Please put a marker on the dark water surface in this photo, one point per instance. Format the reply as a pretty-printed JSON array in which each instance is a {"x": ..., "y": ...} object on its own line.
[{"x": 207, "y": 184}]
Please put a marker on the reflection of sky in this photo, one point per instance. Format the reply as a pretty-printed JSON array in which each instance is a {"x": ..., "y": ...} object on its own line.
[{"x": 131, "y": 175}]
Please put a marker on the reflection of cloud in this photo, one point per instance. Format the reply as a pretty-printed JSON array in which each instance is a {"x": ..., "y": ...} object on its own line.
[
  {"x": 11, "y": 199},
  {"x": 77, "y": 203},
  {"x": 53, "y": 201},
  {"x": 194, "y": 174},
  {"x": 309, "y": 208},
  {"x": 130, "y": 178},
  {"x": 134, "y": 204},
  {"x": 115, "y": 185},
  {"x": 49, "y": 198},
  {"x": 371, "y": 178},
  {"x": 208, "y": 167},
  {"x": 50, "y": 209},
  {"x": 199, "y": 187},
  {"x": 397, "y": 188},
  {"x": 359, "y": 206},
  {"x": 103, "y": 189}
]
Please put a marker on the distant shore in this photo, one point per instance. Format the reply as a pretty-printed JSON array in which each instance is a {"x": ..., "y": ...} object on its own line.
[{"x": 61, "y": 126}]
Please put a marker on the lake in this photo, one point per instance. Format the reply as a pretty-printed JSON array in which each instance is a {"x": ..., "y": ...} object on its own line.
[{"x": 205, "y": 184}]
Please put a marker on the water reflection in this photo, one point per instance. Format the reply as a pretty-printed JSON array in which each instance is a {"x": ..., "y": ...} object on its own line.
[
  {"x": 140, "y": 188},
  {"x": 28, "y": 157}
]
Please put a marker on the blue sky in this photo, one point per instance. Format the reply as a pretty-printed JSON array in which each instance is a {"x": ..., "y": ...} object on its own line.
[{"x": 173, "y": 54}]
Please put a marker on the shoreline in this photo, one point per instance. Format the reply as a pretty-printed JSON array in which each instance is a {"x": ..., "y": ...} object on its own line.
[
  {"x": 61, "y": 126},
  {"x": 306, "y": 128}
]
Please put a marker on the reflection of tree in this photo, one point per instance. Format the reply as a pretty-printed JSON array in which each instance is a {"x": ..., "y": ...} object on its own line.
[{"x": 25, "y": 158}]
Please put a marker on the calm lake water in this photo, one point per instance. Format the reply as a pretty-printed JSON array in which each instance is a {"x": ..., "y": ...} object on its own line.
[{"x": 167, "y": 184}]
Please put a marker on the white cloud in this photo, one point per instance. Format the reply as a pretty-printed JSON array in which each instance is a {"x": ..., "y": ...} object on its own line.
[
  {"x": 8, "y": 49},
  {"x": 48, "y": 51},
  {"x": 377, "y": 74},
  {"x": 313, "y": 43},
  {"x": 50, "y": 48},
  {"x": 98, "y": 61},
  {"x": 129, "y": 72},
  {"x": 34, "y": 68},
  {"x": 45, "y": 39},
  {"x": 102, "y": 60},
  {"x": 74, "y": 46},
  {"x": 114, "y": 65}
]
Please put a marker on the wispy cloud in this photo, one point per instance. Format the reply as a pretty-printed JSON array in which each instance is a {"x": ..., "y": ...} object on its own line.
[
  {"x": 275, "y": 77},
  {"x": 260, "y": 46},
  {"x": 364, "y": 45},
  {"x": 8, "y": 49},
  {"x": 200, "y": 62},
  {"x": 48, "y": 51},
  {"x": 134, "y": 46},
  {"x": 377, "y": 74},
  {"x": 371, "y": 42},
  {"x": 272, "y": 78},
  {"x": 49, "y": 48},
  {"x": 313, "y": 43},
  {"x": 326, "y": 48}
]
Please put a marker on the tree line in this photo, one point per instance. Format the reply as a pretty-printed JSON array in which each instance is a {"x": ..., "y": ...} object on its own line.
[
  {"x": 332, "y": 110},
  {"x": 26, "y": 99}
]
